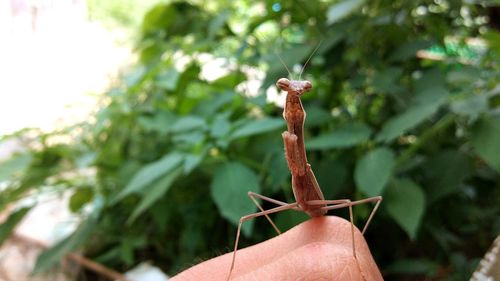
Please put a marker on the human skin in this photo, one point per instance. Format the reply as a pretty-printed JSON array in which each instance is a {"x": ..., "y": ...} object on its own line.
[{"x": 318, "y": 249}]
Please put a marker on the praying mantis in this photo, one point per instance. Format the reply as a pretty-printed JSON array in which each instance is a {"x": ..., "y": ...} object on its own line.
[{"x": 306, "y": 190}]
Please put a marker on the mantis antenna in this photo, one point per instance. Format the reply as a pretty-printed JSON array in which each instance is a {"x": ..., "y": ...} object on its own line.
[{"x": 307, "y": 61}]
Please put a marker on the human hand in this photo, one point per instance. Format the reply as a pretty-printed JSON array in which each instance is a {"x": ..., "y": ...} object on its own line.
[{"x": 318, "y": 249}]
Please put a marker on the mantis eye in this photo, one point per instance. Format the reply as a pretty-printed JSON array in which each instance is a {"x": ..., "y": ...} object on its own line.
[
  {"x": 283, "y": 84},
  {"x": 307, "y": 86}
]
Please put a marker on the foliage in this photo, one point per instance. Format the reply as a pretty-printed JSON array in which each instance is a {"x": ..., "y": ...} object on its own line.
[{"x": 403, "y": 106}]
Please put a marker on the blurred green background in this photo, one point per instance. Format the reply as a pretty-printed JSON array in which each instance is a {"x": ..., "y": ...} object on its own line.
[{"x": 405, "y": 104}]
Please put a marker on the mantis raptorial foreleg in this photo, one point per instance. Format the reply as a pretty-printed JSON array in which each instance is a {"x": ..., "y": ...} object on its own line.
[
  {"x": 295, "y": 161},
  {"x": 306, "y": 190}
]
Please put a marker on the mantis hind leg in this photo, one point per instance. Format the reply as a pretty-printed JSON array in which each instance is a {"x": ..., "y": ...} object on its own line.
[
  {"x": 253, "y": 196},
  {"x": 251, "y": 216}
]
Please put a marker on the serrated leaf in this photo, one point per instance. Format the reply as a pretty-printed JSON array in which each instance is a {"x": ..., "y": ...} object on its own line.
[
  {"x": 346, "y": 136},
  {"x": 230, "y": 184},
  {"x": 50, "y": 257},
  {"x": 149, "y": 173},
  {"x": 259, "y": 126},
  {"x": 342, "y": 9},
  {"x": 374, "y": 170},
  {"x": 155, "y": 192},
  {"x": 485, "y": 138},
  {"x": 427, "y": 105},
  {"x": 11, "y": 222},
  {"x": 405, "y": 202}
]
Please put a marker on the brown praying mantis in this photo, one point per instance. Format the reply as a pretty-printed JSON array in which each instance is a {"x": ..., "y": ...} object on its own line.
[{"x": 306, "y": 190}]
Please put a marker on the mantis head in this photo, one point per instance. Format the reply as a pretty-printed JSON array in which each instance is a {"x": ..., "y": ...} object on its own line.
[{"x": 294, "y": 86}]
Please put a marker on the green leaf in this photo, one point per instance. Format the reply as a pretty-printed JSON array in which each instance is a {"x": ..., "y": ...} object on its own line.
[
  {"x": 374, "y": 170},
  {"x": 187, "y": 123},
  {"x": 409, "y": 50},
  {"x": 346, "y": 136},
  {"x": 471, "y": 106},
  {"x": 447, "y": 171},
  {"x": 168, "y": 79},
  {"x": 413, "y": 266},
  {"x": 386, "y": 80},
  {"x": 8, "y": 226},
  {"x": 277, "y": 170},
  {"x": 50, "y": 257},
  {"x": 191, "y": 161},
  {"x": 342, "y": 9},
  {"x": 405, "y": 203},
  {"x": 286, "y": 220},
  {"x": 220, "y": 126},
  {"x": 485, "y": 138},
  {"x": 230, "y": 185},
  {"x": 150, "y": 172},
  {"x": 155, "y": 192},
  {"x": 159, "y": 122},
  {"x": 428, "y": 103},
  {"x": 492, "y": 38},
  {"x": 258, "y": 126},
  {"x": 13, "y": 165},
  {"x": 81, "y": 197},
  {"x": 217, "y": 23},
  {"x": 316, "y": 116}
]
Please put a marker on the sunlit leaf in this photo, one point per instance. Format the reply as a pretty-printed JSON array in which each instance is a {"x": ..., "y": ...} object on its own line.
[
  {"x": 405, "y": 202},
  {"x": 81, "y": 197},
  {"x": 346, "y": 136},
  {"x": 13, "y": 165},
  {"x": 230, "y": 185},
  {"x": 217, "y": 23},
  {"x": 11, "y": 222},
  {"x": 374, "y": 170},
  {"x": 258, "y": 126},
  {"x": 149, "y": 173},
  {"x": 340, "y": 10},
  {"x": 485, "y": 138}
]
